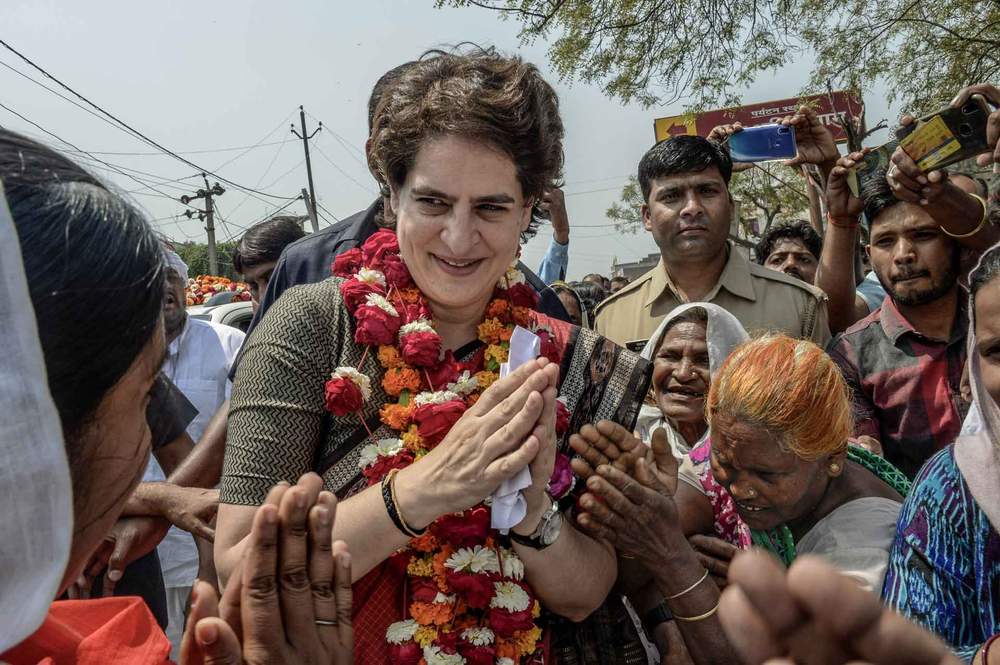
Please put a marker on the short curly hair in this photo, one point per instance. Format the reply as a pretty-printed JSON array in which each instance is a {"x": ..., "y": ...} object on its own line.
[
  {"x": 477, "y": 94},
  {"x": 797, "y": 229}
]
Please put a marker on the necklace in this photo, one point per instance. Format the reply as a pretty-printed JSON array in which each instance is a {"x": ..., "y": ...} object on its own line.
[{"x": 467, "y": 600}]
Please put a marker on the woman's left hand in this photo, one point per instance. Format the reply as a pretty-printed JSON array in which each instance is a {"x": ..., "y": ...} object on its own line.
[
  {"x": 636, "y": 515},
  {"x": 542, "y": 466},
  {"x": 715, "y": 555}
]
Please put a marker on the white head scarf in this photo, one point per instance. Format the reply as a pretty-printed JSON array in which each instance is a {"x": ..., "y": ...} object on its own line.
[
  {"x": 723, "y": 333},
  {"x": 176, "y": 263},
  {"x": 977, "y": 450},
  {"x": 36, "y": 521}
]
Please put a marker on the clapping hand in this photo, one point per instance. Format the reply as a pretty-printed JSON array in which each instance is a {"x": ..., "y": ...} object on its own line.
[
  {"x": 814, "y": 142},
  {"x": 290, "y": 601},
  {"x": 813, "y": 614}
]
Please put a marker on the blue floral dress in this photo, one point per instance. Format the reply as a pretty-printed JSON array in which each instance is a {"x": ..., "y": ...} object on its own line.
[{"x": 944, "y": 568}]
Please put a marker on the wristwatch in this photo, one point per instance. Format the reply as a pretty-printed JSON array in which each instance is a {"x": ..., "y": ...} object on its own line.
[{"x": 547, "y": 531}]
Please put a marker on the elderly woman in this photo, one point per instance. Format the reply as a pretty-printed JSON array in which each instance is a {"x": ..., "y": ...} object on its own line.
[
  {"x": 386, "y": 380},
  {"x": 780, "y": 418},
  {"x": 84, "y": 344},
  {"x": 944, "y": 570}
]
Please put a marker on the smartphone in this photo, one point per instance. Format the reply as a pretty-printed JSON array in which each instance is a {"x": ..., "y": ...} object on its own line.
[
  {"x": 934, "y": 141},
  {"x": 763, "y": 143}
]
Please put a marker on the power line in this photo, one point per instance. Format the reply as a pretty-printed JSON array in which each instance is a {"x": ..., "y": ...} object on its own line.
[
  {"x": 260, "y": 142},
  {"x": 207, "y": 151},
  {"x": 270, "y": 165},
  {"x": 320, "y": 206},
  {"x": 342, "y": 171},
  {"x": 135, "y": 131},
  {"x": 78, "y": 149}
]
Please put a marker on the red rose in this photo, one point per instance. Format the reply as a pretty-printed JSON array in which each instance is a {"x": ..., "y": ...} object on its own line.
[
  {"x": 376, "y": 248},
  {"x": 548, "y": 347},
  {"x": 407, "y": 653},
  {"x": 464, "y": 529},
  {"x": 348, "y": 263},
  {"x": 354, "y": 292},
  {"x": 420, "y": 349},
  {"x": 447, "y": 641},
  {"x": 376, "y": 327},
  {"x": 383, "y": 465},
  {"x": 342, "y": 396},
  {"x": 444, "y": 372},
  {"x": 395, "y": 271},
  {"x": 561, "y": 480},
  {"x": 476, "y": 589},
  {"x": 505, "y": 623},
  {"x": 434, "y": 420},
  {"x": 522, "y": 295},
  {"x": 423, "y": 590},
  {"x": 562, "y": 418},
  {"x": 477, "y": 655}
]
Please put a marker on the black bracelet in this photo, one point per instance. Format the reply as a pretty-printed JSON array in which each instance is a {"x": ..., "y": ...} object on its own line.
[
  {"x": 389, "y": 499},
  {"x": 659, "y": 614}
]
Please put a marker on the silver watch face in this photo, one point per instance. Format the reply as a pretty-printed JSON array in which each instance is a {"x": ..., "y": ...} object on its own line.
[{"x": 551, "y": 528}]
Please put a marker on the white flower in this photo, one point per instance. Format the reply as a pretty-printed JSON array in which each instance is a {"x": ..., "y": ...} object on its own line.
[
  {"x": 511, "y": 277},
  {"x": 443, "y": 599},
  {"x": 434, "y": 656},
  {"x": 376, "y": 300},
  {"x": 504, "y": 661},
  {"x": 509, "y": 596},
  {"x": 369, "y": 276},
  {"x": 513, "y": 567},
  {"x": 439, "y": 397},
  {"x": 465, "y": 385},
  {"x": 384, "y": 448},
  {"x": 476, "y": 560},
  {"x": 401, "y": 631},
  {"x": 480, "y": 637},
  {"x": 420, "y": 325},
  {"x": 363, "y": 383}
]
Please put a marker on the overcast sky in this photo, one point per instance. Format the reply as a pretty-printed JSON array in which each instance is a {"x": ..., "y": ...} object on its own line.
[{"x": 199, "y": 76}]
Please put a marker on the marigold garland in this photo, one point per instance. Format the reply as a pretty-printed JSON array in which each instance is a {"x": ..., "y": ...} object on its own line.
[{"x": 492, "y": 613}]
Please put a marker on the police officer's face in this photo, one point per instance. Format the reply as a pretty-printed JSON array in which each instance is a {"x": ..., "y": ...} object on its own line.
[{"x": 689, "y": 214}]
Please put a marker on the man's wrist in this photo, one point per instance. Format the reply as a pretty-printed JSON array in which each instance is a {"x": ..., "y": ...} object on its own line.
[
  {"x": 561, "y": 237},
  {"x": 533, "y": 519}
]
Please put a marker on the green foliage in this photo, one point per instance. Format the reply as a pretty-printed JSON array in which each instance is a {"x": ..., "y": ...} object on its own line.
[
  {"x": 661, "y": 51},
  {"x": 195, "y": 255},
  {"x": 627, "y": 212}
]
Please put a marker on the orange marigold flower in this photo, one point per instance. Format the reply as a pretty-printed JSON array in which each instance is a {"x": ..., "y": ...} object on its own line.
[
  {"x": 439, "y": 569},
  {"x": 490, "y": 331},
  {"x": 398, "y": 379},
  {"x": 420, "y": 566},
  {"x": 471, "y": 400},
  {"x": 412, "y": 440},
  {"x": 522, "y": 316},
  {"x": 506, "y": 333},
  {"x": 486, "y": 378},
  {"x": 411, "y": 296},
  {"x": 497, "y": 309},
  {"x": 432, "y": 614},
  {"x": 425, "y": 636},
  {"x": 508, "y": 649},
  {"x": 396, "y": 416},
  {"x": 388, "y": 357},
  {"x": 496, "y": 353},
  {"x": 527, "y": 640},
  {"x": 425, "y": 543}
]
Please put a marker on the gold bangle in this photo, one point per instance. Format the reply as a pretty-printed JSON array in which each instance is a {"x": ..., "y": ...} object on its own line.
[
  {"x": 690, "y": 588},
  {"x": 700, "y": 616},
  {"x": 979, "y": 227}
]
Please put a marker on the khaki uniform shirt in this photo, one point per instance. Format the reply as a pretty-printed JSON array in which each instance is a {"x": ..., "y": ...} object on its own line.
[{"x": 763, "y": 300}]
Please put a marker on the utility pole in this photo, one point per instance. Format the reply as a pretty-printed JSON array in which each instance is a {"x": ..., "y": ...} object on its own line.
[
  {"x": 311, "y": 210},
  {"x": 305, "y": 136},
  {"x": 208, "y": 216}
]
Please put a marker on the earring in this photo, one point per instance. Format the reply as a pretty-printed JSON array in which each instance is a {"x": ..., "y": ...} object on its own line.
[{"x": 834, "y": 468}]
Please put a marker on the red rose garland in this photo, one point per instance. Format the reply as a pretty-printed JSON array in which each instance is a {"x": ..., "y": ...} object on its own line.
[{"x": 468, "y": 602}]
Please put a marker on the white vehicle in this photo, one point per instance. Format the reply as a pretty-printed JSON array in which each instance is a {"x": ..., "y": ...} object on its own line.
[{"x": 236, "y": 314}]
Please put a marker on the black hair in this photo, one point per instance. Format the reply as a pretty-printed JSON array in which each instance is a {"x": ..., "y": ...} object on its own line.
[
  {"x": 384, "y": 83},
  {"x": 263, "y": 242},
  {"x": 987, "y": 270},
  {"x": 95, "y": 274},
  {"x": 591, "y": 295},
  {"x": 620, "y": 278},
  {"x": 797, "y": 229},
  {"x": 593, "y": 274},
  {"x": 877, "y": 195},
  {"x": 682, "y": 154}
]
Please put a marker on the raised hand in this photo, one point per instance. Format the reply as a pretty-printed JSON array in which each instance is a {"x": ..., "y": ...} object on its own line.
[
  {"x": 541, "y": 467},
  {"x": 814, "y": 142},
  {"x": 992, "y": 95},
  {"x": 608, "y": 442},
  {"x": 721, "y": 134},
  {"x": 844, "y": 207},
  {"x": 815, "y": 615}
]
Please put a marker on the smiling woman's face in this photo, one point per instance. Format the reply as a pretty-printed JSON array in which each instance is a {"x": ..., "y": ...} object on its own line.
[
  {"x": 459, "y": 216},
  {"x": 681, "y": 373}
]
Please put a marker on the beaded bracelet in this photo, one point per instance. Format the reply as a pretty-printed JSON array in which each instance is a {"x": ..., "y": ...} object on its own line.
[{"x": 392, "y": 507}]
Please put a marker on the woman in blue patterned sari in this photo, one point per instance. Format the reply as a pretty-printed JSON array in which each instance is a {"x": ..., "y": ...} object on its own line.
[{"x": 944, "y": 569}]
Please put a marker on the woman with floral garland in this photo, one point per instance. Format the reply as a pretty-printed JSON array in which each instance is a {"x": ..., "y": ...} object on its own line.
[{"x": 385, "y": 380}]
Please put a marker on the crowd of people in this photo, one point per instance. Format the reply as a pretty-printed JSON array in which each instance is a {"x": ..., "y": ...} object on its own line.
[{"x": 424, "y": 452}]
